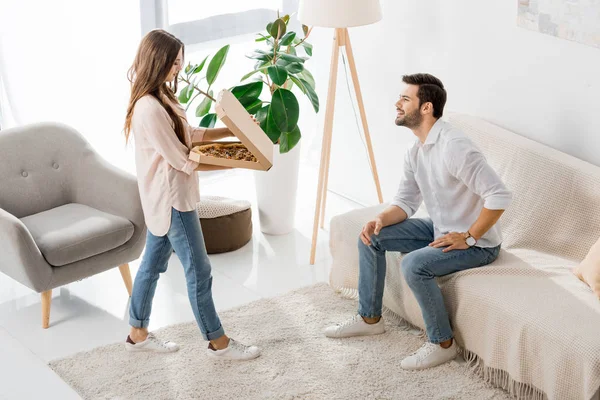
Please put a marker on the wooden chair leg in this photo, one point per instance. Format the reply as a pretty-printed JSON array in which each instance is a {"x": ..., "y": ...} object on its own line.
[
  {"x": 46, "y": 302},
  {"x": 126, "y": 274}
]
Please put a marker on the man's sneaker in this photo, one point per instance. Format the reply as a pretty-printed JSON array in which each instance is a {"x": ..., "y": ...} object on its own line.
[
  {"x": 429, "y": 355},
  {"x": 356, "y": 326},
  {"x": 151, "y": 344},
  {"x": 235, "y": 351}
]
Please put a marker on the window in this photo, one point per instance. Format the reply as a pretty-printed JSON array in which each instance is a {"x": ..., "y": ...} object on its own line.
[{"x": 195, "y": 21}]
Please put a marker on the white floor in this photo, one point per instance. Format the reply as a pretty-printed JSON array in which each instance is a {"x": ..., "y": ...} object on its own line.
[{"x": 94, "y": 311}]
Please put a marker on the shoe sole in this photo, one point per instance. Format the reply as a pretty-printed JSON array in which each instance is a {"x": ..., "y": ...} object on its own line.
[
  {"x": 211, "y": 356},
  {"x": 356, "y": 335}
]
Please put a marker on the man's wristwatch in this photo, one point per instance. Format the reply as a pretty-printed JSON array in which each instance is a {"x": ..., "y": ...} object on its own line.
[{"x": 470, "y": 240}]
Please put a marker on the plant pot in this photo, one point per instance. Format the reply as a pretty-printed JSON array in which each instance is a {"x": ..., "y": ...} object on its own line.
[{"x": 276, "y": 191}]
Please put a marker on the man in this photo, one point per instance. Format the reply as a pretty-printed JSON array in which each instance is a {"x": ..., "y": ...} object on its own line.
[{"x": 464, "y": 198}]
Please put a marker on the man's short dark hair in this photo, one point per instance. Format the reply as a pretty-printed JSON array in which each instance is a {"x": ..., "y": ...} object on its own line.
[{"x": 431, "y": 90}]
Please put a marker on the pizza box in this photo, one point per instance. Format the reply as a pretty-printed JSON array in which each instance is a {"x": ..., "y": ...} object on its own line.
[{"x": 238, "y": 120}]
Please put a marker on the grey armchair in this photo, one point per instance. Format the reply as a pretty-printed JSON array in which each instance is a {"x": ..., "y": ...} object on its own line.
[{"x": 65, "y": 213}]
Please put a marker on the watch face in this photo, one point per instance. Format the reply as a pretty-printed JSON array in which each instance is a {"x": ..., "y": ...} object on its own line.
[{"x": 471, "y": 241}]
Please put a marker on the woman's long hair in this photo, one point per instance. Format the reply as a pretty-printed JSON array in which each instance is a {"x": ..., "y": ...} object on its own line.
[{"x": 155, "y": 57}]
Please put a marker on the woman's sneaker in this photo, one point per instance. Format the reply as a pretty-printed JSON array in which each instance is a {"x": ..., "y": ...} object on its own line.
[
  {"x": 235, "y": 351},
  {"x": 355, "y": 326},
  {"x": 151, "y": 344}
]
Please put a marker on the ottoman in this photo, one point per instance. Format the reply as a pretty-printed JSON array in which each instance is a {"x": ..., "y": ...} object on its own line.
[{"x": 226, "y": 223}]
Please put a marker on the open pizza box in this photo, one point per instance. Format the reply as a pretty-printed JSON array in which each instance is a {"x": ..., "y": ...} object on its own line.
[{"x": 238, "y": 120}]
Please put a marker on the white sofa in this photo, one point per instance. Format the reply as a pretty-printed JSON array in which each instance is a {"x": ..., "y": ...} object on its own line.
[{"x": 525, "y": 322}]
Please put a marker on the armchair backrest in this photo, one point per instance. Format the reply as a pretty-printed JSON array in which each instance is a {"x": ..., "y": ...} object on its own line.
[{"x": 37, "y": 165}]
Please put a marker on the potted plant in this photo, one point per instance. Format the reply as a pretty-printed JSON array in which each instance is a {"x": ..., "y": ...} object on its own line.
[{"x": 280, "y": 68}]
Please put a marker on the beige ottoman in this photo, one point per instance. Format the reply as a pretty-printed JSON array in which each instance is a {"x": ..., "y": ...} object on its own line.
[{"x": 226, "y": 223}]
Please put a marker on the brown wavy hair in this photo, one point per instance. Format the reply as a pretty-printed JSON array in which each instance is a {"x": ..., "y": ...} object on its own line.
[{"x": 155, "y": 57}]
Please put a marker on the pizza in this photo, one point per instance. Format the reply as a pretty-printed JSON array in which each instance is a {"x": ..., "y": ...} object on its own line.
[{"x": 229, "y": 151}]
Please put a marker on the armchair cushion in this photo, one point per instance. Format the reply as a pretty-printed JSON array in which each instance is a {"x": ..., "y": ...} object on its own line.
[{"x": 74, "y": 232}]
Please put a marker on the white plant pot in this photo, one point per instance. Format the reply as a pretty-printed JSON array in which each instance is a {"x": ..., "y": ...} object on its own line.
[{"x": 276, "y": 191}]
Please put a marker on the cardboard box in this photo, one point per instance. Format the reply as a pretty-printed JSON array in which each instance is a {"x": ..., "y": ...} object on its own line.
[{"x": 238, "y": 120}]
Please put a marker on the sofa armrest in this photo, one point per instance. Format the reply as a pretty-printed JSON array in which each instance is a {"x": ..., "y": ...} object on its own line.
[
  {"x": 107, "y": 188},
  {"x": 20, "y": 258}
]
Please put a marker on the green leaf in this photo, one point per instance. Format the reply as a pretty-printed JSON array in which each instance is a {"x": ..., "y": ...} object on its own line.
[
  {"x": 186, "y": 94},
  {"x": 208, "y": 121},
  {"x": 253, "y": 107},
  {"x": 260, "y": 55},
  {"x": 248, "y": 93},
  {"x": 292, "y": 50},
  {"x": 312, "y": 95},
  {"x": 305, "y": 30},
  {"x": 298, "y": 83},
  {"x": 286, "y": 19},
  {"x": 294, "y": 68},
  {"x": 285, "y": 109},
  {"x": 307, "y": 76},
  {"x": 269, "y": 27},
  {"x": 271, "y": 128},
  {"x": 199, "y": 67},
  {"x": 204, "y": 107},
  {"x": 248, "y": 75},
  {"x": 308, "y": 48},
  {"x": 188, "y": 68},
  {"x": 289, "y": 140},
  {"x": 287, "y": 39},
  {"x": 277, "y": 29},
  {"x": 261, "y": 117},
  {"x": 263, "y": 38},
  {"x": 290, "y": 58},
  {"x": 216, "y": 64},
  {"x": 278, "y": 74}
]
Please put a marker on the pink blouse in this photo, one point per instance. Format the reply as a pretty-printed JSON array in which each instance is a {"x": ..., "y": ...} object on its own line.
[{"x": 166, "y": 177}]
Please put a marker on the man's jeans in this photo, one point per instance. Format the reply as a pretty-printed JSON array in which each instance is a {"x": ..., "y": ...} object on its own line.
[
  {"x": 420, "y": 267},
  {"x": 185, "y": 236}
]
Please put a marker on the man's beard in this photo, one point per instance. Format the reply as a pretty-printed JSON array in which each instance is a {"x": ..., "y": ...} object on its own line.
[{"x": 412, "y": 120}]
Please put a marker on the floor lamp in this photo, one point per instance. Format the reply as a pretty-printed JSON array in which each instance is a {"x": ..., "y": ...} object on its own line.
[{"x": 338, "y": 14}]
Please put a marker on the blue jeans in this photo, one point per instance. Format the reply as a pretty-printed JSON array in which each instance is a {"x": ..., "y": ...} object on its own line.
[
  {"x": 419, "y": 267},
  {"x": 185, "y": 236}
]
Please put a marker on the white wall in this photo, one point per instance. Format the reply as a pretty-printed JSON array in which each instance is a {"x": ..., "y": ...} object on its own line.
[{"x": 539, "y": 86}]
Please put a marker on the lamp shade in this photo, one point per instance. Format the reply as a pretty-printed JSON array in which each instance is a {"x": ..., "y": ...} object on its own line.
[{"x": 339, "y": 13}]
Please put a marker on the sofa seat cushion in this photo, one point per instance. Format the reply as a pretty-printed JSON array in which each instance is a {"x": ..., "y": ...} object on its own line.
[{"x": 73, "y": 232}]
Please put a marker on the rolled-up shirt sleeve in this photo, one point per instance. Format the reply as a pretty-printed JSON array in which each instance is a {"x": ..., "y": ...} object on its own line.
[
  {"x": 408, "y": 197},
  {"x": 153, "y": 122},
  {"x": 468, "y": 164},
  {"x": 197, "y": 134}
]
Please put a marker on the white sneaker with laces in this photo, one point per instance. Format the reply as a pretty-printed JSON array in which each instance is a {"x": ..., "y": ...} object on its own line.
[
  {"x": 429, "y": 355},
  {"x": 355, "y": 326},
  {"x": 236, "y": 351},
  {"x": 151, "y": 344}
]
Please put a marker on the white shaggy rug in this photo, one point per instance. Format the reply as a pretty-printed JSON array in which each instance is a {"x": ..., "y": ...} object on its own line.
[{"x": 298, "y": 362}]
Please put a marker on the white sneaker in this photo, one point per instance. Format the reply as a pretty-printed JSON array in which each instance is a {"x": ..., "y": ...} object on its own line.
[
  {"x": 151, "y": 344},
  {"x": 356, "y": 326},
  {"x": 235, "y": 351},
  {"x": 429, "y": 355}
]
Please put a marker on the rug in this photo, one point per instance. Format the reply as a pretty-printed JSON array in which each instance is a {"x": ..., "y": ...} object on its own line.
[{"x": 297, "y": 362}]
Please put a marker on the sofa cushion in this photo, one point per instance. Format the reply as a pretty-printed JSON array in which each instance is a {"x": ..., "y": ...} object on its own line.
[
  {"x": 73, "y": 232},
  {"x": 589, "y": 269}
]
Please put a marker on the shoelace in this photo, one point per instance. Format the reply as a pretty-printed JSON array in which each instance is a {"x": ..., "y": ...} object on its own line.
[
  {"x": 240, "y": 347},
  {"x": 153, "y": 339},
  {"x": 425, "y": 351},
  {"x": 349, "y": 322}
]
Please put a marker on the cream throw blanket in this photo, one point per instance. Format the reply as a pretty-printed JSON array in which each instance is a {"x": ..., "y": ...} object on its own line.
[{"x": 526, "y": 322}]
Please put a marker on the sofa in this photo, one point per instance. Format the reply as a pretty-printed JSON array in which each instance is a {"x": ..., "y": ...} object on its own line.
[
  {"x": 65, "y": 213},
  {"x": 525, "y": 322}
]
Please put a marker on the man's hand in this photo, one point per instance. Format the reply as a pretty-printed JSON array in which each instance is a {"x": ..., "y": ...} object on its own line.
[
  {"x": 370, "y": 229},
  {"x": 454, "y": 241}
]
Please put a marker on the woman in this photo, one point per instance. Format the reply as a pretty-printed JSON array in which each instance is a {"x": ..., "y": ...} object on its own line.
[{"x": 169, "y": 192}]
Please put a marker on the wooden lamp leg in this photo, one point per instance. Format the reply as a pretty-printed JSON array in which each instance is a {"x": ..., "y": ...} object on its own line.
[
  {"x": 126, "y": 275},
  {"x": 328, "y": 126},
  {"x": 46, "y": 302},
  {"x": 363, "y": 115}
]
